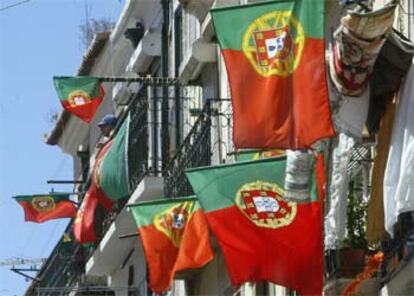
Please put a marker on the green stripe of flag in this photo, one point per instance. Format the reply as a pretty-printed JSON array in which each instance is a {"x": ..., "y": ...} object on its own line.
[
  {"x": 66, "y": 85},
  {"x": 144, "y": 212},
  {"x": 232, "y": 22},
  {"x": 29, "y": 198}
]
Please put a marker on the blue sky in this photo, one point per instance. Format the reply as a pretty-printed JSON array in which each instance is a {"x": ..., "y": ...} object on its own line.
[{"x": 38, "y": 39}]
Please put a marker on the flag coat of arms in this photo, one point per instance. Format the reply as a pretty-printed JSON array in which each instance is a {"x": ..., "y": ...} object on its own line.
[
  {"x": 80, "y": 96},
  {"x": 175, "y": 237},
  {"x": 263, "y": 236},
  {"x": 274, "y": 53},
  {"x": 40, "y": 208}
]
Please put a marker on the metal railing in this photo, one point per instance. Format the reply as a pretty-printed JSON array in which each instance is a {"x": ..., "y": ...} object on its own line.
[
  {"x": 138, "y": 141},
  {"x": 88, "y": 291},
  {"x": 137, "y": 163},
  {"x": 195, "y": 151},
  {"x": 63, "y": 267},
  {"x": 67, "y": 262},
  {"x": 206, "y": 143}
]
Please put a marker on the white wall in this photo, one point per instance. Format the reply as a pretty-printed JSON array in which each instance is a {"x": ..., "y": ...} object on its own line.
[{"x": 118, "y": 281}]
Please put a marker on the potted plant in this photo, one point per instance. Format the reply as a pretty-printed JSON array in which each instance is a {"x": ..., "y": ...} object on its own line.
[{"x": 352, "y": 254}]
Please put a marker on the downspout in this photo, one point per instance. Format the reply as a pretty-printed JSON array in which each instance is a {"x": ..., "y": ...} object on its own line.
[
  {"x": 177, "y": 61},
  {"x": 164, "y": 72}
]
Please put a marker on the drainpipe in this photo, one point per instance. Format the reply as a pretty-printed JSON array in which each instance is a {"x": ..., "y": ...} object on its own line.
[{"x": 165, "y": 138}]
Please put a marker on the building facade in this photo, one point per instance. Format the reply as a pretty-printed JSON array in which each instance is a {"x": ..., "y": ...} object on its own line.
[{"x": 186, "y": 123}]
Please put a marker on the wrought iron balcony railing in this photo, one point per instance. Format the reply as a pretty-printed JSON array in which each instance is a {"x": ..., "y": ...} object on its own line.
[
  {"x": 195, "y": 151},
  {"x": 137, "y": 163},
  {"x": 66, "y": 264},
  {"x": 138, "y": 141},
  {"x": 207, "y": 143},
  {"x": 62, "y": 269}
]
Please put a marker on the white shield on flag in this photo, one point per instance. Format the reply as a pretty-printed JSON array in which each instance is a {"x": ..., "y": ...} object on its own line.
[
  {"x": 265, "y": 204},
  {"x": 275, "y": 45}
]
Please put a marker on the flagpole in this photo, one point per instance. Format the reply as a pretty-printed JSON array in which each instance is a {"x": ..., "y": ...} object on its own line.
[
  {"x": 141, "y": 79},
  {"x": 65, "y": 182},
  {"x": 128, "y": 235},
  {"x": 68, "y": 193},
  {"x": 162, "y": 201}
]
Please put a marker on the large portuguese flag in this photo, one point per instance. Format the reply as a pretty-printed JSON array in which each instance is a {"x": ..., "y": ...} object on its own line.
[
  {"x": 80, "y": 96},
  {"x": 175, "y": 237},
  {"x": 263, "y": 236},
  {"x": 42, "y": 207},
  {"x": 275, "y": 58}
]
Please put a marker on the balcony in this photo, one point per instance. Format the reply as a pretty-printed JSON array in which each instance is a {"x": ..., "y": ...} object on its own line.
[
  {"x": 103, "y": 266},
  {"x": 111, "y": 251},
  {"x": 195, "y": 151},
  {"x": 198, "y": 8},
  {"x": 145, "y": 52},
  {"x": 203, "y": 146},
  {"x": 62, "y": 271},
  {"x": 202, "y": 52},
  {"x": 105, "y": 255}
]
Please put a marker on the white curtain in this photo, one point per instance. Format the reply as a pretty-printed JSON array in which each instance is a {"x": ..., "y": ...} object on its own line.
[{"x": 399, "y": 171}]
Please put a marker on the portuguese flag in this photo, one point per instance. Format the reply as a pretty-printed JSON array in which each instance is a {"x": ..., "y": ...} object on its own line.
[
  {"x": 263, "y": 236},
  {"x": 40, "y": 208},
  {"x": 80, "y": 96},
  {"x": 175, "y": 237},
  {"x": 112, "y": 173},
  {"x": 275, "y": 58},
  {"x": 84, "y": 224}
]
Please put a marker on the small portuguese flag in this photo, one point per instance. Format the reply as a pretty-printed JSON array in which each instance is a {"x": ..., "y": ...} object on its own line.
[
  {"x": 40, "y": 208},
  {"x": 80, "y": 96},
  {"x": 175, "y": 237},
  {"x": 275, "y": 57},
  {"x": 263, "y": 236}
]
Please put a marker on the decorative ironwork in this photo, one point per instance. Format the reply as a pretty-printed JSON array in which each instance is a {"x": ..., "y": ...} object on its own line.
[
  {"x": 206, "y": 143},
  {"x": 137, "y": 163},
  {"x": 195, "y": 151},
  {"x": 62, "y": 269},
  {"x": 360, "y": 155},
  {"x": 67, "y": 262},
  {"x": 138, "y": 141}
]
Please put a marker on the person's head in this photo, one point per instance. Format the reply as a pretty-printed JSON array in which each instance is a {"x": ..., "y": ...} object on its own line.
[{"x": 107, "y": 124}]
